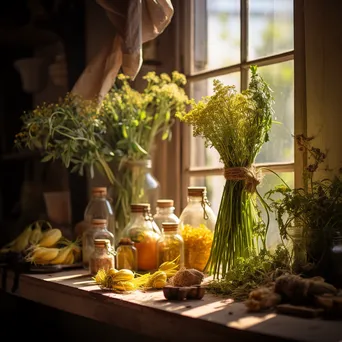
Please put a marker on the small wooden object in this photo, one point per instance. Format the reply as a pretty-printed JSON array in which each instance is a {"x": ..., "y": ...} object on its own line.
[
  {"x": 299, "y": 311},
  {"x": 182, "y": 293}
]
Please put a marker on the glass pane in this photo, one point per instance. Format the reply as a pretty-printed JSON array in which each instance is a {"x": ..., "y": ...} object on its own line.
[
  {"x": 280, "y": 147},
  {"x": 216, "y": 34},
  {"x": 215, "y": 185},
  {"x": 201, "y": 156},
  {"x": 270, "y": 27}
]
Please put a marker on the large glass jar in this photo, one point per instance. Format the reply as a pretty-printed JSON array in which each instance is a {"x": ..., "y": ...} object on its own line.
[
  {"x": 102, "y": 256},
  {"x": 99, "y": 207},
  {"x": 141, "y": 231},
  {"x": 196, "y": 226},
  {"x": 170, "y": 246},
  {"x": 165, "y": 212},
  {"x": 336, "y": 260},
  {"x": 126, "y": 255},
  {"x": 97, "y": 230}
]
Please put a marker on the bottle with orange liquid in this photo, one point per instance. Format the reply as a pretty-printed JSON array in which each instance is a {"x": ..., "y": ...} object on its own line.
[{"x": 141, "y": 230}]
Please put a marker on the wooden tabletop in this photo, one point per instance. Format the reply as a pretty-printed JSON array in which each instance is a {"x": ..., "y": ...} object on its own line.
[{"x": 149, "y": 313}]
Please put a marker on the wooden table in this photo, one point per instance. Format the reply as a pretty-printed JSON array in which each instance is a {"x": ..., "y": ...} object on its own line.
[{"x": 149, "y": 313}]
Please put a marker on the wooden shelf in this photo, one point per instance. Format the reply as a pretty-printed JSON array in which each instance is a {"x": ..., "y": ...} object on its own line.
[{"x": 211, "y": 319}]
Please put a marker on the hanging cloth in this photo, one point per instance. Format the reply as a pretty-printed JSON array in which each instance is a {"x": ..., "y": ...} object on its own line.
[{"x": 135, "y": 22}]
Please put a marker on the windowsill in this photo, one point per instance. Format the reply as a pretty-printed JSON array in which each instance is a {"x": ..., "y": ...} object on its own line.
[{"x": 150, "y": 314}]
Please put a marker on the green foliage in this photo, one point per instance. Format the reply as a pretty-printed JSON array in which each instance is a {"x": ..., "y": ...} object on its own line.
[
  {"x": 251, "y": 273},
  {"x": 236, "y": 125}
]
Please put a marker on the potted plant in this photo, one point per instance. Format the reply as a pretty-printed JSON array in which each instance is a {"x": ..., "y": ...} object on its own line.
[{"x": 311, "y": 215}]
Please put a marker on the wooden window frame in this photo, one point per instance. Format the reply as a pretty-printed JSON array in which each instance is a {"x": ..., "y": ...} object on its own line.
[{"x": 186, "y": 43}]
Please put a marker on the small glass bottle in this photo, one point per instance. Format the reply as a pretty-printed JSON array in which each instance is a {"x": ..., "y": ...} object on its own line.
[
  {"x": 165, "y": 212},
  {"x": 196, "y": 226},
  {"x": 141, "y": 231},
  {"x": 170, "y": 246},
  {"x": 101, "y": 257},
  {"x": 97, "y": 230},
  {"x": 126, "y": 255},
  {"x": 336, "y": 260},
  {"x": 99, "y": 207}
]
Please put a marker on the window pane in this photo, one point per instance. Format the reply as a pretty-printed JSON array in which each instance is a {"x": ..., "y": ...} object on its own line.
[
  {"x": 200, "y": 156},
  {"x": 216, "y": 34},
  {"x": 270, "y": 181},
  {"x": 280, "y": 147},
  {"x": 270, "y": 27},
  {"x": 215, "y": 185}
]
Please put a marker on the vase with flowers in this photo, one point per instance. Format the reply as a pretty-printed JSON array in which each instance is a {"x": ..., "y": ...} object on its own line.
[{"x": 116, "y": 135}]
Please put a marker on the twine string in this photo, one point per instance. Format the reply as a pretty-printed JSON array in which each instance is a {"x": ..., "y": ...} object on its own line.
[{"x": 251, "y": 175}]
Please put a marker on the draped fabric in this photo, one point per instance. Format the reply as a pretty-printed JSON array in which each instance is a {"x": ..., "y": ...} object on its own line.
[{"x": 135, "y": 22}]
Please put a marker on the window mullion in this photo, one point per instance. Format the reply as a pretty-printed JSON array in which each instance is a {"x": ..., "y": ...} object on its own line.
[{"x": 244, "y": 42}]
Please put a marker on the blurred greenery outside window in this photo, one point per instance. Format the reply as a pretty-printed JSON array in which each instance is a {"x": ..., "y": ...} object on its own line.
[{"x": 228, "y": 36}]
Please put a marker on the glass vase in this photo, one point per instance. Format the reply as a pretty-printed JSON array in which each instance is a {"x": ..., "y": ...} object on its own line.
[{"x": 135, "y": 184}]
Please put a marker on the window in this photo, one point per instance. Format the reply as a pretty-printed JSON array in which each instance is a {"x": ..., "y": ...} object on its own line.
[{"x": 223, "y": 38}]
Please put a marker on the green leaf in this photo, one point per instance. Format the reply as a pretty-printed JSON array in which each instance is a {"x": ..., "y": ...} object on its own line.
[
  {"x": 47, "y": 158},
  {"x": 165, "y": 135},
  {"x": 124, "y": 131},
  {"x": 137, "y": 148}
]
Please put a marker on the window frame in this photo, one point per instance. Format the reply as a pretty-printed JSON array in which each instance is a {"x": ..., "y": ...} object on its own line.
[{"x": 297, "y": 54}]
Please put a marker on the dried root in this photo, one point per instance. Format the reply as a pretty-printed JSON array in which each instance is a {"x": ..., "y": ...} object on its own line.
[
  {"x": 186, "y": 277},
  {"x": 262, "y": 299}
]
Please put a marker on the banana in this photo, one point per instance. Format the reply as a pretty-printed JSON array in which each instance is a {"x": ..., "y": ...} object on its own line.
[
  {"x": 36, "y": 234},
  {"x": 63, "y": 254},
  {"x": 50, "y": 237},
  {"x": 22, "y": 241}
]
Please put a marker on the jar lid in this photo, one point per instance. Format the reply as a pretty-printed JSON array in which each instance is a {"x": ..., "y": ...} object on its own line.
[
  {"x": 101, "y": 242},
  {"x": 98, "y": 222},
  {"x": 125, "y": 242},
  {"x": 99, "y": 191},
  {"x": 169, "y": 226},
  {"x": 197, "y": 191},
  {"x": 139, "y": 207},
  {"x": 165, "y": 203}
]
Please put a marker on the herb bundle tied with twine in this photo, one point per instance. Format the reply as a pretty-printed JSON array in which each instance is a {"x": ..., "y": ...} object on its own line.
[{"x": 236, "y": 125}]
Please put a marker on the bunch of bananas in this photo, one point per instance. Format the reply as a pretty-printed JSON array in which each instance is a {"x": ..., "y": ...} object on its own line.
[{"x": 40, "y": 247}]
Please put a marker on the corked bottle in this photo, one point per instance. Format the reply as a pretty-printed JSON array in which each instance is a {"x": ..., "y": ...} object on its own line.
[
  {"x": 141, "y": 231},
  {"x": 102, "y": 256},
  {"x": 196, "y": 226},
  {"x": 126, "y": 255},
  {"x": 170, "y": 246},
  {"x": 97, "y": 230},
  {"x": 165, "y": 212}
]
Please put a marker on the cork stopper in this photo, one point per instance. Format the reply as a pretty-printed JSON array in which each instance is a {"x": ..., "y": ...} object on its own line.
[
  {"x": 197, "y": 191},
  {"x": 98, "y": 222},
  {"x": 140, "y": 207},
  {"x": 165, "y": 203},
  {"x": 99, "y": 191},
  {"x": 170, "y": 226},
  {"x": 101, "y": 243}
]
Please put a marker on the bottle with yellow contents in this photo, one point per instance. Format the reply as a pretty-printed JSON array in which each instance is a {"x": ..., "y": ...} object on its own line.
[{"x": 196, "y": 226}]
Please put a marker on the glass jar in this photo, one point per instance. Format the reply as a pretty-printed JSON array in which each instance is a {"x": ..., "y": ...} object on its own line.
[
  {"x": 298, "y": 254},
  {"x": 101, "y": 257},
  {"x": 99, "y": 207},
  {"x": 165, "y": 212},
  {"x": 170, "y": 246},
  {"x": 196, "y": 226},
  {"x": 141, "y": 231},
  {"x": 336, "y": 260},
  {"x": 97, "y": 230},
  {"x": 126, "y": 255}
]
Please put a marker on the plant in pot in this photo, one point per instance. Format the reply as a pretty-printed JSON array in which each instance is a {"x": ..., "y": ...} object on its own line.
[
  {"x": 310, "y": 216},
  {"x": 117, "y": 135}
]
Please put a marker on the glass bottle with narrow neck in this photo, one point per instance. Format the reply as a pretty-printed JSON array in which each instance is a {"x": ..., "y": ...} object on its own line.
[
  {"x": 196, "y": 225},
  {"x": 99, "y": 207},
  {"x": 97, "y": 230},
  {"x": 165, "y": 212}
]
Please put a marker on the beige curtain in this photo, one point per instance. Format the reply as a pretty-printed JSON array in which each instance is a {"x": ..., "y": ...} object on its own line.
[{"x": 135, "y": 22}]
